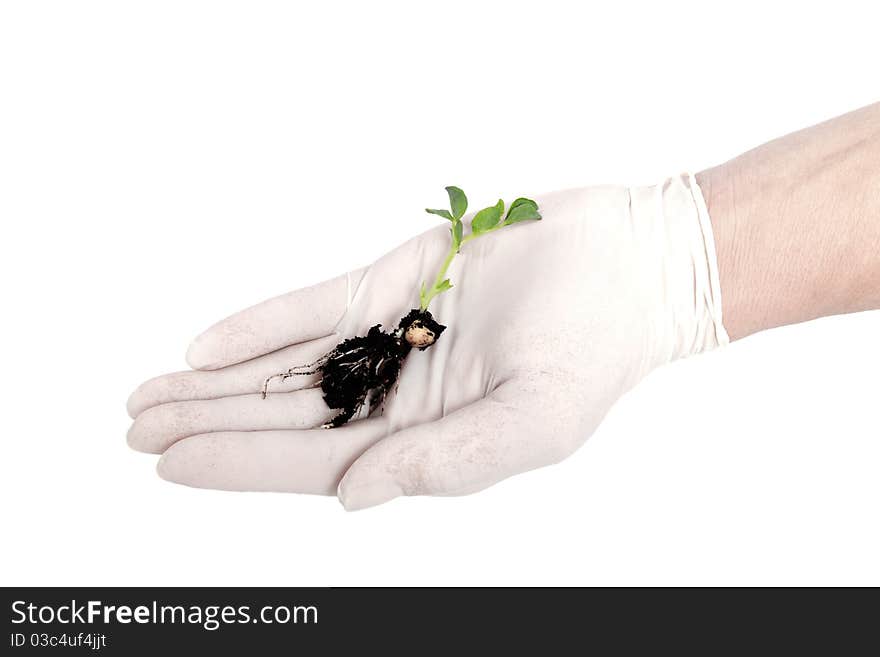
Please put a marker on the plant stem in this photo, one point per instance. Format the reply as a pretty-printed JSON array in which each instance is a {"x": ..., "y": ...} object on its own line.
[
  {"x": 441, "y": 276},
  {"x": 427, "y": 296}
]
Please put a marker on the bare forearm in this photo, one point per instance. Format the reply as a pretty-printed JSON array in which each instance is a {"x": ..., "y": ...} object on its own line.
[{"x": 797, "y": 225}]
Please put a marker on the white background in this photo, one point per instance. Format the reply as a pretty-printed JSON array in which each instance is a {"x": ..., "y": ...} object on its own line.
[{"x": 163, "y": 164}]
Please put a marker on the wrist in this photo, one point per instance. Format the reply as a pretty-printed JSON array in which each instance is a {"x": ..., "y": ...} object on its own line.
[{"x": 797, "y": 225}]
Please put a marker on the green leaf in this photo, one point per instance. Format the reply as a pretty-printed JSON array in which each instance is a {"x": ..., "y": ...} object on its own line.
[
  {"x": 522, "y": 209},
  {"x": 457, "y": 232},
  {"x": 522, "y": 201},
  {"x": 445, "y": 285},
  {"x": 457, "y": 201},
  {"x": 442, "y": 213},
  {"x": 487, "y": 218}
]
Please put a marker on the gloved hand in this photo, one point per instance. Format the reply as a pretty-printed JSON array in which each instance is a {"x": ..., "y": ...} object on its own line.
[{"x": 548, "y": 324}]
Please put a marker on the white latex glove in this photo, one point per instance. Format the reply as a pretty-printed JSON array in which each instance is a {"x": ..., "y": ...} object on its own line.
[{"x": 549, "y": 323}]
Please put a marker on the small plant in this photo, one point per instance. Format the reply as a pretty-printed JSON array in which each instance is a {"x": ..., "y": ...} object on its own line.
[
  {"x": 361, "y": 370},
  {"x": 484, "y": 222}
]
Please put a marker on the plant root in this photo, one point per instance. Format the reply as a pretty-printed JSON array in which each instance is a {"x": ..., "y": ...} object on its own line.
[
  {"x": 360, "y": 371},
  {"x": 311, "y": 368}
]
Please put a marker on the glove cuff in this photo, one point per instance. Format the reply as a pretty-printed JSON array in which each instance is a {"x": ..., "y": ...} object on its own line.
[
  {"x": 711, "y": 331},
  {"x": 673, "y": 223}
]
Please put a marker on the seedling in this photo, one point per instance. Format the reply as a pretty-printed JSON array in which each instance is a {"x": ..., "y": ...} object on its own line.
[{"x": 361, "y": 370}]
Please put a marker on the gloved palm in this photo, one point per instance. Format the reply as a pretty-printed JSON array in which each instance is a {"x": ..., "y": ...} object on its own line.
[{"x": 548, "y": 324}]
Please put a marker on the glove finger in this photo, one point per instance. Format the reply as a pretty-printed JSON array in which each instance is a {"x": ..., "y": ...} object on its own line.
[
  {"x": 291, "y": 318},
  {"x": 156, "y": 429},
  {"x": 241, "y": 379},
  {"x": 518, "y": 427},
  {"x": 311, "y": 461}
]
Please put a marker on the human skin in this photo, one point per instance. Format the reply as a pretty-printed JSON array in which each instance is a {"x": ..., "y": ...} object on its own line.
[{"x": 797, "y": 225}]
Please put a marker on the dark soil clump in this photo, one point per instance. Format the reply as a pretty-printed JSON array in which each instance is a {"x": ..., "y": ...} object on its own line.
[{"x": 361, "y": 370}]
